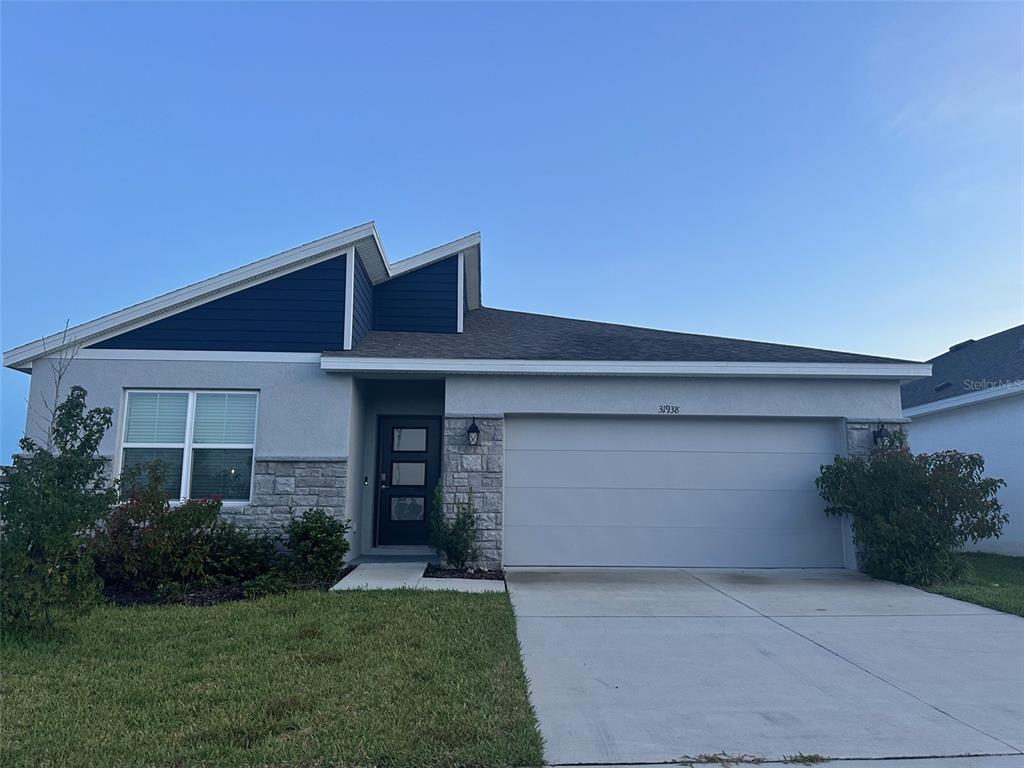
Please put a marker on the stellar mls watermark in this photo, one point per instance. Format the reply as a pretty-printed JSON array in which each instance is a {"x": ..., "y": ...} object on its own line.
[{"x": 979, "y": 385}]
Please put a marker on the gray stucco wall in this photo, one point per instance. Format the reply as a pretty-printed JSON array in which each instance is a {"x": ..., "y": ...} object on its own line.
[
  {"x": 303, "y": 412},
  {"x": 835, "y": 398}
]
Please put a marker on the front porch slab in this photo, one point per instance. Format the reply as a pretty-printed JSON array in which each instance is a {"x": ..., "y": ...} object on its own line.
[{"x": 409, "y": 575}]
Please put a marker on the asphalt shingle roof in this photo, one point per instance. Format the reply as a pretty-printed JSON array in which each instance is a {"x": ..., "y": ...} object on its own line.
[
  {"x": 991, "y": 361},
  {"x": 498, "y": 334}
]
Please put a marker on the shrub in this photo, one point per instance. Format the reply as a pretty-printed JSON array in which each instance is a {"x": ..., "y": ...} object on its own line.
[
  {"x": 455, "y": 538},
  {"x": 911, "y": 515},
  {"x": 318, "y": 544},
  {"x": 147, "y": 544},
  {"x": 237, "y": 555},
  {"x": 51, "y": 498}
]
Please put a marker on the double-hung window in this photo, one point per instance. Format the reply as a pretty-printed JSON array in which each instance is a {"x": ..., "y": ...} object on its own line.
[{"x": 204, "y": 440}]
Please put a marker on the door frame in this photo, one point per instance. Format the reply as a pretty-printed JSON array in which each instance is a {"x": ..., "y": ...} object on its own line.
[{"x": 377, "y": 463}]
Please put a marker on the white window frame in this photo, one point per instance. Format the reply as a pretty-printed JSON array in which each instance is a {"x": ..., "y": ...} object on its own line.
[{"x": 188, "y": 446}]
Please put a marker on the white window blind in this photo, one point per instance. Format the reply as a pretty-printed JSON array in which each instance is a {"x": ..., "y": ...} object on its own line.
[
  {"x": 156, "y": 417},
  {"x": 225, "y": 418}
]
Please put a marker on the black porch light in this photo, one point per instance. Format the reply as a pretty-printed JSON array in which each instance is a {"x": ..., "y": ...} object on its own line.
[
  {"x": 473, "y": 433},
  {"x": 880, "y": 434}
]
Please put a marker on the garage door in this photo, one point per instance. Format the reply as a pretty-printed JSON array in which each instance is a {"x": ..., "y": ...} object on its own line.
[{"x": 668, "y": 492}]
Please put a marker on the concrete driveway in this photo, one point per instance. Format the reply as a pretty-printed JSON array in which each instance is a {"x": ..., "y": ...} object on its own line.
[{"x": 649, "y": 665}]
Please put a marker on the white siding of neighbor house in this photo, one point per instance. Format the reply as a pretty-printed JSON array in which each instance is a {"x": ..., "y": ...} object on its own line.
[
  {"x": 858, "y": 400},
  {"x": 995, "y": 429},
  {"x": 303, "y": 413}
]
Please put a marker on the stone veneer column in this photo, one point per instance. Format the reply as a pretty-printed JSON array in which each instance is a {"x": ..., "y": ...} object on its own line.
[
  {"x": 479, "y": 467},
  {"x": 286, "y": 486}
]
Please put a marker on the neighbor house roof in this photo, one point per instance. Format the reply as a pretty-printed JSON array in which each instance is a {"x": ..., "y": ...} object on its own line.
[
  {"x": 971, "y": 371},
  {"x": 363, "y": 240},
  {"x": 498, "y": 334}
]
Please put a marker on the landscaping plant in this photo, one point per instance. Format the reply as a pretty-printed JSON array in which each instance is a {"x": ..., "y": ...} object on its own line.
[
  {"x": 455, "y": 538},
  {"x": 912, "y": 514},
  {"x": 52, "y": 496},
  {"x": 147, "y": 544},
  {"x": 318, "y": 544}
]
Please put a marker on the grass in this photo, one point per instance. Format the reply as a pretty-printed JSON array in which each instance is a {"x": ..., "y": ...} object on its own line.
[
  {"x": 730, "y": 761},
  {"x": 997, "y": 582},
  {"x": 397, "y": 678}
]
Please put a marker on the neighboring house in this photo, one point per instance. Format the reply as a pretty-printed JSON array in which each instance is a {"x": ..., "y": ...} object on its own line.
[
  {"x": 328, "y": 376},
  {"x": 974, "y": 402}
]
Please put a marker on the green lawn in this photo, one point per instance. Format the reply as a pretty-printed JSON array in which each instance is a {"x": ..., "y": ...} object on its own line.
[
  {"x": 997, "y": 582},
  {"x": 395, "y": 678}
]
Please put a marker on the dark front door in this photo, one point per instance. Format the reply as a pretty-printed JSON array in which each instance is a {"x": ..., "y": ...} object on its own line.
[{"x": 408, "y": 469}]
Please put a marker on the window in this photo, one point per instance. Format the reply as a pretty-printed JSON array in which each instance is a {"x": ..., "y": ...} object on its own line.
[{"x": 203, "y": 439}]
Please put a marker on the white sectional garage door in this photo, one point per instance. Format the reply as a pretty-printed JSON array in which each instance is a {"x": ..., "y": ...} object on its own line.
[{"x": 669, "y": 491}]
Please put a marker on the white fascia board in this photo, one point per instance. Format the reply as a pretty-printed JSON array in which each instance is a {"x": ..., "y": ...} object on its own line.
[
  {"x": 199, "y": 355},
  {"x": 434, "y": 254},
  {"x": 899, "y": 371},
  {"x": 350, "y": 296},
  {"x": 969, "y": 398},
  {"x": 189, "y": 296}
]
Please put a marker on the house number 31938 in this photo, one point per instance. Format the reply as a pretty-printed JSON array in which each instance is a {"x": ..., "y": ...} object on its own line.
[{"x": 668, "y": 409}]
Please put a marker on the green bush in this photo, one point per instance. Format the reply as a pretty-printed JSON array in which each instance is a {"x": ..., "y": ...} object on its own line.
[
  {"x": 51, "y": 498},
  {"x": 318, "y": 544},
  {"x": 912, "y": 514},
  {"x": 238, "y": 555},
  {"x": 147, "y": 544},
  {"x": 454, "y": 539}
]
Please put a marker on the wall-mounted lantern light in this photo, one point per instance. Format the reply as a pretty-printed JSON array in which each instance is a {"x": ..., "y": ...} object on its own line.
[
  {"x": 473, "y": 433},
  {"x": 880, "y": 434}
]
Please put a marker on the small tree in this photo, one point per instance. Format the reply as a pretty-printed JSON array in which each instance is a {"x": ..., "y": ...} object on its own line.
[
  {"x": 912, "y": 515},
  {"x": 52, "y": 497},
  {"x": 454, "y": 539}
]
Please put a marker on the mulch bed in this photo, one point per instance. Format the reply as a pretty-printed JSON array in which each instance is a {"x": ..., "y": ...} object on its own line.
[
  {"x": 127, "y": 598},
  {"x": 437, "y": 572}
]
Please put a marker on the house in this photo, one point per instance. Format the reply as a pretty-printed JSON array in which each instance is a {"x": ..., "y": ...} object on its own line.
[
  {"x": 328, "y": 376},
  {"x": 974, "y": 402}
]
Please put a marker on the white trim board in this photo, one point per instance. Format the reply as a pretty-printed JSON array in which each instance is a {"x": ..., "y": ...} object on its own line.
[
  {"x": 350, "y": 301},
  {"x": 461, "y": 288},
  {"x": 901, "y": 371},
  {"x": 961, "y": 401},
  {"x": 434, "y": 254},
  {"x": 198, "y": 356}
]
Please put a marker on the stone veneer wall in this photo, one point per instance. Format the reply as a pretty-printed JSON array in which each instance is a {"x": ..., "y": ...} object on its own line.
[
  {"x": 481, "y": 468},
  {"x": 283, "y": 486}
]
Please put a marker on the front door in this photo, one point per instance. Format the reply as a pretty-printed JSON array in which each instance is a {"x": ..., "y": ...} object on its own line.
[{"x": 408, "y": 470}]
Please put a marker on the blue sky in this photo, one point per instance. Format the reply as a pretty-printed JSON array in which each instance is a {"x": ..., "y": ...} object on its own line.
[{"x": 847, "y": 176}]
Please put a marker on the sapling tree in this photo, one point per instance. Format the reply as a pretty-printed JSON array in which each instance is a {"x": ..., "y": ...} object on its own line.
[{"x": 53, "y": 496}]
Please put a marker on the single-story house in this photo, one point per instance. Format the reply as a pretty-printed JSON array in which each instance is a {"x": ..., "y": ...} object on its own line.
[
  {"x": 329, "y": 376},
  {"x": 974, "y": 402}
]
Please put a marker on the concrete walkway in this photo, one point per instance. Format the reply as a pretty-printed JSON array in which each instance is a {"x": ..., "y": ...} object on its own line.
[
  {"x": 409, "y": 575},
  {"x": 645, "y": 666}
]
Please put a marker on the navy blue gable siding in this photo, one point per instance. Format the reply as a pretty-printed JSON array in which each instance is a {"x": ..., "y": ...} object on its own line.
[
  {"x": 303, "y": 311},
  {"x": 424, "y": 300},
  {"x": 362, "y": 303}
]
